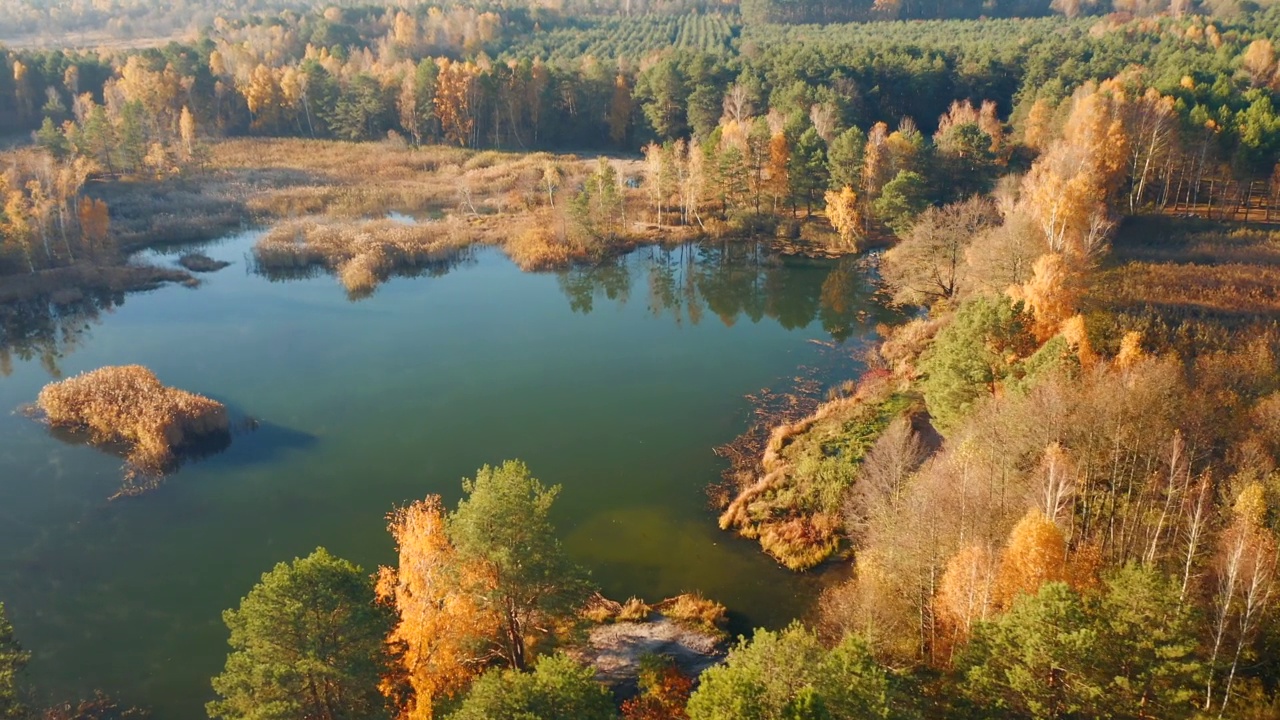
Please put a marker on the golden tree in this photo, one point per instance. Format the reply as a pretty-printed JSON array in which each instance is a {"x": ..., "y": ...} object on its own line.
[
  {"x": 1053, "y": 293},
  {"x": 842, "y": 211},
  {"x": 455, "y": 100},
  {"x": 443, "y": 621},
  {"x": 620, "y": 108},
  {"x": 264, "y": 97},
  {"x": 779, "y": 179},
  {"x": 1035, "y": 554},
  {"x": 95, "y": 225},
  {"x": 965, "y": 594},
  {"x": 1037, "y": 129}
]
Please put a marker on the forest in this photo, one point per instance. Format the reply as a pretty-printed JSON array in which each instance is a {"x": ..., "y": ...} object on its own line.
[{"x": 1053, "y": 490}]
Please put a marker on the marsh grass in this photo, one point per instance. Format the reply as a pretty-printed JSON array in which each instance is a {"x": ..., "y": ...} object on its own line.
[
  {"x": 362, "y": 254},
  {"x": 128, "y": 405},
  {"x": 695, "y": 611},
  {"x": 1193, "y": 286},
  {"x": 691, "y": 610}
]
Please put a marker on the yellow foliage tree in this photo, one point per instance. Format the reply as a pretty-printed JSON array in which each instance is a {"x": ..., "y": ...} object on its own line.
[
  {"x": 779, "y": 182},
  {"x": 95, "y": 225},
  {"x": 1053, "y": 294},
  {"x": 1130, "y": 350},
  {"x": 964, "y": 594},
  {"x": 455, "y": 100},
  {"x": 620, "y": 109},
  {"x": 1077, "y": 336},
  {"x": 1037, "y": 130},
  {"x": 842, "y": 211},
  {"x": 1035, "y": 554},
  {"x": 443, "y": 621},
  {"x": 264, "y": 98}
]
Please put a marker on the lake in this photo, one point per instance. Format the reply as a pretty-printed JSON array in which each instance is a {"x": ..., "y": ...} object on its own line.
[{"x": 615, "y": 382}]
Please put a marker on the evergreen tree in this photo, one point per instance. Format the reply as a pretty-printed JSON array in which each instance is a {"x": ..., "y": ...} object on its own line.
[
  {"x": 307, "y": 644},
  {"x": 789, "y": 674},
  {"x": 808, "y": 171},
  {"x": 503, "y": 525},
  {"x": 50, "y": 137},
  {"x": 902, "y": 199},
  {"x": 844, "y": 159},
  {"x": 559, "y": 688}
]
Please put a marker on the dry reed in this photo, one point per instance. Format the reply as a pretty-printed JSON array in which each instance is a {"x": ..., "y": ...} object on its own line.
[
  {"x": 694, "y": 610},
  {"x": 361, "y": 254},
  {"x": 128, "y": 404},
  {"x": 689, "y": 609}
]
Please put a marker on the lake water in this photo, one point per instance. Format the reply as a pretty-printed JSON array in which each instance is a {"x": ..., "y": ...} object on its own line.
[{"x": 615, "y": 382}]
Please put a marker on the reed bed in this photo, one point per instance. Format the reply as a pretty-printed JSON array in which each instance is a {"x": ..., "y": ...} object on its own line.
[
  {"x": 694, "y": 610},
  {"x": 362, "y": 254},
  {"x": 689, "y": 609},
  {"x": 128, "y": 404}
]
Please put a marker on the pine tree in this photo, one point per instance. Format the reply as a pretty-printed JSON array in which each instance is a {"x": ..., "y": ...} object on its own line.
[{"x": 307, "y": 644}]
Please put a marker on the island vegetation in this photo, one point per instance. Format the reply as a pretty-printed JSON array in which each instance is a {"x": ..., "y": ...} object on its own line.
[
  {"x": 129, "y": 405},
  {"x": 1053, "y": 491}
]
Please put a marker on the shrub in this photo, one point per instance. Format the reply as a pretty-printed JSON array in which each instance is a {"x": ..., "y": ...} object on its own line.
[{"x": 538, "y": 248}]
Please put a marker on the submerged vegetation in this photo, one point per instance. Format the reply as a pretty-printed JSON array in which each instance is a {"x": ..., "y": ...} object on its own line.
[{"x": 129, "y": 405}]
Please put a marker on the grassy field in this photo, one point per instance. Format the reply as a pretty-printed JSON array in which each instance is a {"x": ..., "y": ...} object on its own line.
[{"x": 1188, "y": 285}]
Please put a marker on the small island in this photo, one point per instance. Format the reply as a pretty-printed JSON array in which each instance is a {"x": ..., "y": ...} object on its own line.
[{"x": 128, "y": 404}]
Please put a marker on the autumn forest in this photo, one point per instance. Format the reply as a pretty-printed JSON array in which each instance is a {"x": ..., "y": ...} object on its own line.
[{"x": 1010, "y": 270}]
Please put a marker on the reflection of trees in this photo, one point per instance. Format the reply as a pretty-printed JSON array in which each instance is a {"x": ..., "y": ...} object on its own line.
[
  {"x": 732, "y": 281},
  {"x": 611, "y": 279},
  {"x": 49, "y": 328}
]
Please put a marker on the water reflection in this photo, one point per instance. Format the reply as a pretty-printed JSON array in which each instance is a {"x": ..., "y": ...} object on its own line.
[
  {"x": 730, "y": 281},
  {"x": 50, "y": 327},
  {"x": 733, "y": 281}
]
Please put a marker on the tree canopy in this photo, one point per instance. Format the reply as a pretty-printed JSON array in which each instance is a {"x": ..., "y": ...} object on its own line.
[{"x": 307, "y": 642}]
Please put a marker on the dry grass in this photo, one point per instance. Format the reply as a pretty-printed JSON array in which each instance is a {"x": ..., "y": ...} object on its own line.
[
  {"x": 689, "y": 609},
  {"x": 295, "y": 177},
  {"x": 696, "y": 611},
  {"x": 1189, "y": 285},
  {"x": 634, "y": 610},
  {"x": 361, "y": 254},
  {"x": 128, "y": 404},
  {"x": 538, "y": 248}
]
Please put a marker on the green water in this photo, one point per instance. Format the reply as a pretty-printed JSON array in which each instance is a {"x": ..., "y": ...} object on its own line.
[{"x": 615, "y": 382}]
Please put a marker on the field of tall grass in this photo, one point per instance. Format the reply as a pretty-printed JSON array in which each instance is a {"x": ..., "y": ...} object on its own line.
[{"x": 1187, "y": 285}]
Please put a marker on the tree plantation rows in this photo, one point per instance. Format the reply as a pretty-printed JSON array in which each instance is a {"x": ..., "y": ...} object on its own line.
[{"x": 81, "y": 23}]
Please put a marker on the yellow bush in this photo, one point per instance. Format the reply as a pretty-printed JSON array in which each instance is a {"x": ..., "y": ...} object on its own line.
[
  {"x": 697, "y": 611},
  {"x": 538, "y": 248}
]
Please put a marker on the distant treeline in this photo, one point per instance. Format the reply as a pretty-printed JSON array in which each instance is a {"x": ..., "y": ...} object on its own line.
[{"x": 504, "y": 79}]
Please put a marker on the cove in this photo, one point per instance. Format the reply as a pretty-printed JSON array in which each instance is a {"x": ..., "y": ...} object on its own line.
[{"x": 613, "y": 381}]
